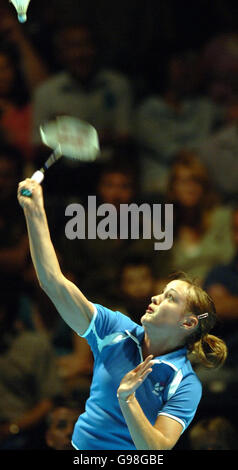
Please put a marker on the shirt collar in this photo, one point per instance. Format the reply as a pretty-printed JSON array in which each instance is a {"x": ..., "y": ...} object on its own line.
[
  {"x": 174, "y": 354},
  {"x": 175, "y": 359}
]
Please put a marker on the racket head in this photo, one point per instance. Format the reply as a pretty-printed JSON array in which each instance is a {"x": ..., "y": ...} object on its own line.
[{"x": 76, "y": 139}]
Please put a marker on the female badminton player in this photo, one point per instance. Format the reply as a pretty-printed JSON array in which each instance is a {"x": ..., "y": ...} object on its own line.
[{"x": 144, "y": 392}]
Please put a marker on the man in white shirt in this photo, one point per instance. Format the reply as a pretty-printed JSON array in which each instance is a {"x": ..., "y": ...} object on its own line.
[{"x": 83, "y": 89}]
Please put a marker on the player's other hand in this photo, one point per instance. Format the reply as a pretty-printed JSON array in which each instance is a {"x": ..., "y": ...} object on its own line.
[
  {"x": 133, "y": 379},
  {"x": 35, "y": 203}
]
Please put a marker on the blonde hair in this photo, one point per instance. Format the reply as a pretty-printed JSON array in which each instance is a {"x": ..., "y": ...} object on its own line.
[{"x": 210, "y": 350}]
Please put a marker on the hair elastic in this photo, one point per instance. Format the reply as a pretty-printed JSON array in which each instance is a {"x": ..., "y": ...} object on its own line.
[{"x": 203, "y": 315}]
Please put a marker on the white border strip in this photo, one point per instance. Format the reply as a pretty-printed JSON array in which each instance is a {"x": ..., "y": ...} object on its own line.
[
  {"x": 74, "y": 445},
  {"x": 174, "y": 384},
  {"x": 173, "y": 417},
  {"x": 92, "y": 321}
]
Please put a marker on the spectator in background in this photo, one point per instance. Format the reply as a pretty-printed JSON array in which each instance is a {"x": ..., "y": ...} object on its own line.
[
  {"x": 28, "y": 379},
  {"x": 202, "y": 233},
  {"x": 15, "y": 117},
  {"x": 117, "y": 184},
  {"x": 221, "y": 283},
  {"x": 220, "y": 68},
  {"x": 83, "y": 88},
  {"x": 215, "y": 433},
  {"x": 74, "y": 360},
  {"x": 74, "y": 357},
  {"x": 180, "y": 117},
  {"x": 219, "y": 153},
  {"x": 14, "y": 245},
  {"x": 60, "y": 425},
  {"x": 11, "y": 31},
  {"x": 136, "y": 286},
  {"x": 21, "y": 70}
]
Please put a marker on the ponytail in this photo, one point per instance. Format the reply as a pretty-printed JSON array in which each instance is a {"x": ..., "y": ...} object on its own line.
[{"x": 210, "y": 351}]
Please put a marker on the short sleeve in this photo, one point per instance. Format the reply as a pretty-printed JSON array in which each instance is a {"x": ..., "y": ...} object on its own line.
[
  {"x": 183, "y": 404},
  {"x": 106, "y": 324}
]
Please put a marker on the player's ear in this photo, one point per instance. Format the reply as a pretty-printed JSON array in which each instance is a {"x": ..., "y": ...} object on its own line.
[{"x": 189, "y": 321}]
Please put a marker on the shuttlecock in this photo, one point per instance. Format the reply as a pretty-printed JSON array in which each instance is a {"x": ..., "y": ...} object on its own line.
[{"x": 21, "y": 8}]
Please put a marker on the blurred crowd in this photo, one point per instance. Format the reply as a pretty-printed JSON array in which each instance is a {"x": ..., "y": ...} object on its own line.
[{"x": 166, "y": 113}]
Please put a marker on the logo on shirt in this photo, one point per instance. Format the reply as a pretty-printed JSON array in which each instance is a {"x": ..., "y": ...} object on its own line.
[{"x": 158, "y": 388}]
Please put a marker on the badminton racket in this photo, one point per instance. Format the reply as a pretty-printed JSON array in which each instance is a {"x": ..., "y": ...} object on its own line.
[{"x": 69, "y": 137}]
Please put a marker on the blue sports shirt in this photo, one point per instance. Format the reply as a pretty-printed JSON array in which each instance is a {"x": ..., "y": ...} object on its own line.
[{"x": 171, "y": 389}]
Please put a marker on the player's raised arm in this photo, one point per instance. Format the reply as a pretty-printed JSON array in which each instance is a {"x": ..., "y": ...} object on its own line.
[{"x": 72, "y": 305}]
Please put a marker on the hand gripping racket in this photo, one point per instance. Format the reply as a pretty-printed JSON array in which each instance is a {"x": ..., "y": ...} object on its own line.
[{"x": 69, "y": 137}]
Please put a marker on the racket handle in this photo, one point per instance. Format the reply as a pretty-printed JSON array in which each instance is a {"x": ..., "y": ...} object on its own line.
[{"x": 38, "y": 176}]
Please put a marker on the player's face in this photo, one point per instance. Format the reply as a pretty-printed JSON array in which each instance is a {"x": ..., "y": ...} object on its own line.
[{"x": 169, "y": 307}]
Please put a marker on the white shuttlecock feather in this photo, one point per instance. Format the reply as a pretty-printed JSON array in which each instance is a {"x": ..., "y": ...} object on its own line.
[{"x": 21, "y": 8}]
